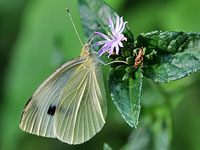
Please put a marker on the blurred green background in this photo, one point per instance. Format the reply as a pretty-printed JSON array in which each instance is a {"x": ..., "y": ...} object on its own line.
[{"x": 36, "y": 36}]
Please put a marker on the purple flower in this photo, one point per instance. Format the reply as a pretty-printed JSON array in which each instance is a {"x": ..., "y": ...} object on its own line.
[{"x": 114, "y": 39}]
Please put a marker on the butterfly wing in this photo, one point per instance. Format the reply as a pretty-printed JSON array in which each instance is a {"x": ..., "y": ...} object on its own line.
[
  {"x": 82, "y": 108},
  {"x": 38, "y": 114}
]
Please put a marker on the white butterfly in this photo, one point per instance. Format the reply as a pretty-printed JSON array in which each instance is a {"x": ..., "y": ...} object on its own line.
[{"x": 71, "y": 103}]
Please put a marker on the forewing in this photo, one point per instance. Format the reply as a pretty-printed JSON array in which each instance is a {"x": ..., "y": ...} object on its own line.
[
  {"x": 82, "y": 108},
  {"x": 39, "y": 112}
]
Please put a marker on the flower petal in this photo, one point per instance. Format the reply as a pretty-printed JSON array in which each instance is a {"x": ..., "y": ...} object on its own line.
[
  {"x": 103, "y": 49},
  {"x": 122, "y": 29},
  {"x": 100, "y": 43},
  {"x": 124, "y": 39},
  {"x": 120, "y": 25},
  {"x": 117, "y": 48},
  {"x": 117, "y": 24},
  {"x": 120, "y": 44},
  {"x": 111, "y": 50},
  {"x": 102, "y": 35},
  {"x": 111, "y": 23},
  {"x": 114, "y": 39},
  {"x": 112, "y": 36}
]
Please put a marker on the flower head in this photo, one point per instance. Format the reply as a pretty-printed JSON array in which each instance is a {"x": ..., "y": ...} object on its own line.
[{"x": 114, "y": 39}]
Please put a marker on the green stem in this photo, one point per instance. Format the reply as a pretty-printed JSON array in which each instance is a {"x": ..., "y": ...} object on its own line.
[
  {"x": 165, "y": 95},
  {"x": 167, "y": 105}
]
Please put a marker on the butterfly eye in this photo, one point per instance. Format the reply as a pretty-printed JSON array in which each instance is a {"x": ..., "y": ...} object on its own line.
[{"x": 89, "y": 49}]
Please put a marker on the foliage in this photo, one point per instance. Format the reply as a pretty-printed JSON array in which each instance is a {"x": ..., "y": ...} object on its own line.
[
  {"x": 44, "y": 39},
  {"x": 167, "y": 56},
  {"x": 178, "y": 54}
]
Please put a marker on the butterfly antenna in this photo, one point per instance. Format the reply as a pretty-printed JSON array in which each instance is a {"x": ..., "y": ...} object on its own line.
[
  {"x": 74, "y": 26},
  {"x": 91, "y": 37}
]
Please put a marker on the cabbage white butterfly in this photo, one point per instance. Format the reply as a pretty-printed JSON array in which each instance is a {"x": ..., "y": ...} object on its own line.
[{"x": 70, "y": 104}]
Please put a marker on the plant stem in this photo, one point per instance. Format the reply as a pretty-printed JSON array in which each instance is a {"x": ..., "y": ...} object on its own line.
[{"x": 167, "y": 105}]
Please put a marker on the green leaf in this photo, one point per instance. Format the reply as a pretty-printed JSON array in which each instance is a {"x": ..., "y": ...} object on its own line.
[
  {"x": 139, "y": 140},
  {"x": 94, "y": 16},
  {"x": 178, "y": 54},
  {"x": 155, "y": 132},
  {"x": 106, "y": 147},
  {"x": 127, "y": 95},
  {"x": 161, "y": 127},
  {"x": 145, "y": 138},
  {"x": 162, "y": 140}
]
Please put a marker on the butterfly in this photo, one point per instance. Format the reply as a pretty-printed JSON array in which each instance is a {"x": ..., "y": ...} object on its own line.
[{"x": 70, "y": 104}]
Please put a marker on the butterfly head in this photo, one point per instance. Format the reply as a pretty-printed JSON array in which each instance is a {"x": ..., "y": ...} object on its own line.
[{"x": 87, "y": 51}]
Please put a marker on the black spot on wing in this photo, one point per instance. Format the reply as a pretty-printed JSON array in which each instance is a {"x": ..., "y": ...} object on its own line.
[
  {"x": 25, "y": 107},
  {"x": 51, "y": 110}
]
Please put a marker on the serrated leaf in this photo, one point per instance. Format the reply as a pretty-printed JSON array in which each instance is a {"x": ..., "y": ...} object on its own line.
[
  {"x": 127, "y": 95},
  {"x": 178, "y": 54},
  {"x": 94, "y": 16}
]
